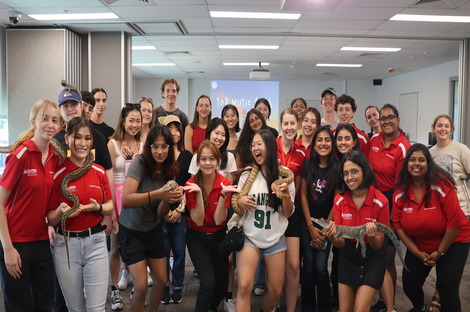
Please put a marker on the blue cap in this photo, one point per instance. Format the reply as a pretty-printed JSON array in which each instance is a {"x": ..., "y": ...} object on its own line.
[{"x": 69, "y": 95}]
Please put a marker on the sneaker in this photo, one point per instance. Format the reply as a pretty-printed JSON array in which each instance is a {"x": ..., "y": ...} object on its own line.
[
  {"x": 177, "y": 296},
  {"x": 149, "y": 279},
  {"x": 378, "y": 306},
  {"x": 126, "y": 280},
  {"x": 229, "y": 305},
  {"x": 385, "y": 310},
  {"x": 116, "y": 300},
  {"x": 258, "y": 290},
  {"x": 166, "y": 296}
]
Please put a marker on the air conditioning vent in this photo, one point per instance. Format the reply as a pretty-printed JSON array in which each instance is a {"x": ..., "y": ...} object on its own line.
[{"x": 173, "y": 53}]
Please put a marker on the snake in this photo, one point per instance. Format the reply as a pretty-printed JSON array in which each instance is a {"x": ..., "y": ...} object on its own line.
[
  {"x": 171, "y": 185},
  {"x": 287, "y": 177},
  {"x": 69, "y": 177}
]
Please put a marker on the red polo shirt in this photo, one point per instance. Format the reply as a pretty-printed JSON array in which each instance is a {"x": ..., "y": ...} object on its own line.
[
  {"x": 209, "y": 225},
  {"x": 426, "y": 225},
  {"x": 30, "y": 183},
  {"x": 294, "y": 159},
  {"x": 363, "y": 139},
  {"x": 93, "y": 184},
  {"x": 375, "y": 207},
  {"x": 304, "y": 149},
  {"x": 387, "y": 162}
]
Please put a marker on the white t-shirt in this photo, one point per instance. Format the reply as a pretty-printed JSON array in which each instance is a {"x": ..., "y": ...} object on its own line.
[
  {"x": 264, "y": 227},
  {"x": 455, "y": 159},
  {"x": 230, "y": 168}
]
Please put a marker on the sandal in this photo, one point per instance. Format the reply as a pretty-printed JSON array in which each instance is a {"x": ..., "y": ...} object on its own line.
[{"x": 435, "y": 305}]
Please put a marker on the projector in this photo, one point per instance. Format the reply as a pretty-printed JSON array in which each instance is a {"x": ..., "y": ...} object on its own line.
[{"x": 259, "y": 74}]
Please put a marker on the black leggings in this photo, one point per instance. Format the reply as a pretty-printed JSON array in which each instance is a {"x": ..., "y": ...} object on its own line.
[{"x": 449, "y": 270}]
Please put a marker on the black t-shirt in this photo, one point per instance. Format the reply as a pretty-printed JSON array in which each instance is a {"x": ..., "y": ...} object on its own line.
[
  {"x": 273, "y": 131},
  {"x": 319, "y": 202},
  {"x": 105, "y": 130},
  {"x": 100, "y": 146}
]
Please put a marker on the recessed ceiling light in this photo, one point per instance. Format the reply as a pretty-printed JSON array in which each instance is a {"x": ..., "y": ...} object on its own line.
[
  {"x": 338, "y": 65},
  {"x": 152, "y": 64},
  {"x": 367, "y": 49},
  {"x": 144, "y": 48},
  {"x": 226, "y": 14},
  {"x": 73, "y": 16},
  {"x": 249, "y": 47},
  {"x": 431, "y": 18},
  {"x": 245, "y": 64}
]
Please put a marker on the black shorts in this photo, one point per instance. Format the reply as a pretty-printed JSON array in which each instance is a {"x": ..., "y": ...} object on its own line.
[
  {"x": 294, "y": 227},
  {"x": 135, "y": 246},
  {"x": 353, "y": 270}
]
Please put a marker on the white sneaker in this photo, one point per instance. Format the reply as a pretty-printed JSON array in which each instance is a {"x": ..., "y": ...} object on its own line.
[
  {"x": 229, "y": 305},
  {"x": 116, "y": 300},
  {"x": 258, "y": 290},
  {"x": 149, "y": 279},
  {"x": 126, "y": 280}
]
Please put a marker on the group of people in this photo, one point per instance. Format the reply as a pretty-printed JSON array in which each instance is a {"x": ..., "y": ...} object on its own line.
[{"x": 164, "y": 184}]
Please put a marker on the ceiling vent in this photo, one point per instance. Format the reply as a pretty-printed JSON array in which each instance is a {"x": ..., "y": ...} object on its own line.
[
  {"x": 122, "y": 2},
  {"x": 449, "y": 3}
]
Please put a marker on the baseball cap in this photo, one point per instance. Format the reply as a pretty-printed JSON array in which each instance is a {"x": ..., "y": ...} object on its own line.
[
  {"x": 169, "y": 119},
  {"x": 328, "y": 91},
  {"x": 69, "y": 95}
]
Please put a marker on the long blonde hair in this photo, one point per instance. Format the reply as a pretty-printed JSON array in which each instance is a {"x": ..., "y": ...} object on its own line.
[{"x": 39, "y": 106}]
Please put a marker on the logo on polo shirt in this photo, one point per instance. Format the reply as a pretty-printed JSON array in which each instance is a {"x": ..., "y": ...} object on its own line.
[
  {"x": 30, "y": 172},
  {"x": 375, "y": 148},
  {"x": 347, "y": 216},
  {"x": 72, "y": 188},
  {"x": 408, "y": 210},
  {"x": 429, "y": 208}
]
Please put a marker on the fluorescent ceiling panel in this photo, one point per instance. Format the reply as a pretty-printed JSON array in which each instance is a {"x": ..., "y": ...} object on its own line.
[
  {"x": 431, "y": 18},
  {"x": 338, "y": 65},
  {"x": 245, "y": 64},
  {"x": 153, "y": 64},
  {"x": 226, "y": 14},
  {"x": 73, "y": 16},
  {"x": 144, "y": 48},
  {"x": 366, "y": 49}
]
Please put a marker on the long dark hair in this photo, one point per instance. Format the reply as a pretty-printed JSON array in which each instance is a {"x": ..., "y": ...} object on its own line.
[
  {"x": 357, "y": 157},
  {"x": 198, "y": 178},
  {"x": 169, "y": 166},
  {"x": 120, "y": 131},
  {"x": 314, "y": 163},
  {"x": 353, "y": 132},
  {"x": 272, "y": 163},
  {"x": 246, "y": 136},
  {"x": 435, "y": 174},
  {"x": 214, "y": 123},
  {"x": 235, "y": 110}
]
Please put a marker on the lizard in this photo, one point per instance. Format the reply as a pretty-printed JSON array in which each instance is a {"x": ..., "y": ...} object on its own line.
[{"x": 358, "y": 232}]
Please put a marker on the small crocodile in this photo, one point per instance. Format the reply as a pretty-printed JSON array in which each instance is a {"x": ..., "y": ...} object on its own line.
[{"x": 358, "y": 232}]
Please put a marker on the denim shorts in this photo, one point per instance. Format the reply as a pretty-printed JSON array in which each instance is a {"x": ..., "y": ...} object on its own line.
[{"x": 278, "y": 247}]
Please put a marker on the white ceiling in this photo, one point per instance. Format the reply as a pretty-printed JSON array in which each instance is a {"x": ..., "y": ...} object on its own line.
[{"x": 324, "y": 27}]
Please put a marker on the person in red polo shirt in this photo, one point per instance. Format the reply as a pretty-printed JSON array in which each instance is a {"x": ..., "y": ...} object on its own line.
[
  {"x": 208, "y": 200},
  {"x": 435, "y": 231},
  {"x": 84, "y": 279},
  {"x": 290, "y": 155},
  {"x": 359, "y": 203},
  {"x": 310, "y": 122},
  {"x": 387, "y": 149},
  {"x": 25, "y": 261}
]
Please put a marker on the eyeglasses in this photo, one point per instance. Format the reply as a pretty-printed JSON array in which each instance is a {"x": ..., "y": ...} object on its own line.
[
  {"x": 387, "y": 118},
  {"x": 351, "y": 173},
  {"x": 298, "y": 106},
  {"x": 256, "y": 145},
  {"x": 163, "y": 147}
]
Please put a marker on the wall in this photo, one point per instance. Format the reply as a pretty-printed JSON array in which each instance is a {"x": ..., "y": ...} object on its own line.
[
  {"x": 433, "y": 87},
  {"x": 3, "y": 91}
]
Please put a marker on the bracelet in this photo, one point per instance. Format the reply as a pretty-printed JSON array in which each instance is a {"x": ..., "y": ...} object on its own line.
[
  {"x": 180, "y": 211},
  {"x": 148, "y": 193},
  {"x": 100, "y": 210},
  {"x": 310, "y": 225},
  {"x": 440, "y": 253}
]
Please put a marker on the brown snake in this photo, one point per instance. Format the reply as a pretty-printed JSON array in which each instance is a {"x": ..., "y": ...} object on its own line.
[{"x": 288, "y": 177}]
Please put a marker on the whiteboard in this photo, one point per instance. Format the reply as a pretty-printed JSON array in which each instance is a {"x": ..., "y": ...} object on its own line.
[{"x": 409, "y": 115}]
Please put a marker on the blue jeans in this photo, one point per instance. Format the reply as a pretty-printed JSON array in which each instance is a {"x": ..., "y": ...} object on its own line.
[
  {"x": 314, "y": 275},
  {"x": 88, "y": 274},
  {"x": 34, "y": 290},
  {"x": 175, "y": 240}
]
